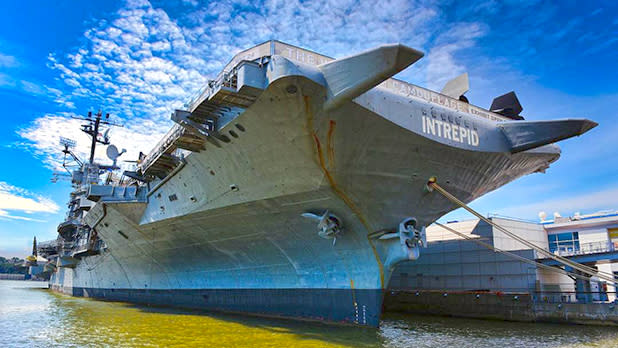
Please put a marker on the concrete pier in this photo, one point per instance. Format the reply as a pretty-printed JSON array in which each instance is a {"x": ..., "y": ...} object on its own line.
[
  {"x": 499, "y": 306},
  {"x": 11, "y": 276}
]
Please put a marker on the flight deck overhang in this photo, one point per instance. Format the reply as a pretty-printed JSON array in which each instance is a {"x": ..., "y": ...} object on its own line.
[{"x": 251, "y": 71}]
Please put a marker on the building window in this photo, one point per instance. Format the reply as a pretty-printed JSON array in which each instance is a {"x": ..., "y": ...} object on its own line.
[
  {"x": 564, "y": 243},
  {"x": 613, "y": 236}
]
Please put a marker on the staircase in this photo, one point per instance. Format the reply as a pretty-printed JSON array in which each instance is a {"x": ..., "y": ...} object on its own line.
[{"x": 222, "y": 101}]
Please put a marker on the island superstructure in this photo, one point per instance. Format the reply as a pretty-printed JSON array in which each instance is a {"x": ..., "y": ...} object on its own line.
[{"x": 291, "y": 186}]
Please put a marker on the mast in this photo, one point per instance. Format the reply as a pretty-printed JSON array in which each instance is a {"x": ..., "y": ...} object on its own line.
[
  {"x": 34, "y": 252},
  {"x": 92, "y": 129},
  {"x": 94, "y": 135}
]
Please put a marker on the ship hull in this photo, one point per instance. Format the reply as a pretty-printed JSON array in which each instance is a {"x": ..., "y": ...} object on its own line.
[
  {"x": 226, "y": 231},
  {"x": 330, "y": 305},
  {"x": 256, "y": 257}
]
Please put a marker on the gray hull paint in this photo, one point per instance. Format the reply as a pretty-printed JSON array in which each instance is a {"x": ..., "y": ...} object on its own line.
[
  {"x": 289, "y": 158},
  {"x": 331, "y": 305}
]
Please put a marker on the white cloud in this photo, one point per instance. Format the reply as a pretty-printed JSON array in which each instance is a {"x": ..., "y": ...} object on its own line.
[
  {"x": 12, "y": 83},
  {"x": 140, "y": 64},
  {"x": 128, "y": 67},
  {"x": 42, "y": 136},
  {"x": 4, "y": 215},
  {"x": 6, "y": 81},
  {"x": 72, "y": 82},
  {"x": 8, "y": 61},
  {"x": 442, "y": 64},
  {"x": 567, "y": 205},
  {"x": 16, "y": 199},
  {"x": 141, "y": 54}
]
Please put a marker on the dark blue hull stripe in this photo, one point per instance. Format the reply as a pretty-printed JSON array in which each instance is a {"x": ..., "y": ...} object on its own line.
[{"x": 360, "y": 306}]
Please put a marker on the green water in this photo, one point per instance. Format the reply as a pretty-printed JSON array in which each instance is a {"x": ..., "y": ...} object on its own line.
[{"x": 34, "y": 317}]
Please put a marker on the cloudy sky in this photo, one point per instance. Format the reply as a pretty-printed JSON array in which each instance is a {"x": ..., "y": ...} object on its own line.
[{"x": 139, "y": 60}]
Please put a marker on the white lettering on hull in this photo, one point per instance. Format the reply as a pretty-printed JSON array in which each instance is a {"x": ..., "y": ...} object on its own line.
[{"x": 450, "y": 131}]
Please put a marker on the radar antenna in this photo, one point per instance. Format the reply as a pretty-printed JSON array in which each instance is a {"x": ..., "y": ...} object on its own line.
[
  {"x": 68, "y": 144},
  {"x": 59, "y": 176},
  {"x": 92, "y": 129}
]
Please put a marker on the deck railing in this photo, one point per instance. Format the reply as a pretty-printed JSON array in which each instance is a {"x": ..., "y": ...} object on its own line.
[
  {"x": 587, "y": 248},
  {"x": 273, "y": 47},
  {"x": 599, "y": 296}
]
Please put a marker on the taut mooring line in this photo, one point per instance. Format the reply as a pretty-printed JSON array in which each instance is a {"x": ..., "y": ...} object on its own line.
[
  {"x": 432, "y": 184},
  {"x": 513, "y": 255}
]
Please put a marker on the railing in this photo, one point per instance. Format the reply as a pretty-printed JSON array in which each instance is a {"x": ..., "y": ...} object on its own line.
[
  {"x": 587, "y": 248},
  {"x": 48, "y": 244},
  {"x": 68, "y": 245},
  {"x": 10, "y": 276},
  {"x": 226, "y": 78},
  {"x": 263, "y": 50},
  {"x": 174, "y": 133},
  {"x": 599, "y": 296},
  {"x": 557, "y": 297},
  {"x": 266, "y": 49},
  {"x": 500, "y": 216},
  {"x": 47, "y": 248}
]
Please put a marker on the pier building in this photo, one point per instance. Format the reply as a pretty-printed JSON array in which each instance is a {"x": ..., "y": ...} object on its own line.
[{"x": 454, "y": 262}]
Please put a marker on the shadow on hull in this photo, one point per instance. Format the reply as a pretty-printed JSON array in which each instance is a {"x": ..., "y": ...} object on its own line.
[{"x": 320, "y": 305}]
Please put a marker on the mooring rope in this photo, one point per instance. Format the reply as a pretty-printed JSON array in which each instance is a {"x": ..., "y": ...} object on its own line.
[
  {"x": 432, "y": 183},
  {"x": 513, "y": 255}
]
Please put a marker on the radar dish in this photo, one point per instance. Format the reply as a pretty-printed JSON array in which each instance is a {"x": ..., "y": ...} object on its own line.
[
  {"x": 543, "y": 215},
  {"x": 112, "y": 152}
]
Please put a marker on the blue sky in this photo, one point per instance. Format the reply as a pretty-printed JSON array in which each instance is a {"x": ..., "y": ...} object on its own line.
[{"x": 139, "y": 60}]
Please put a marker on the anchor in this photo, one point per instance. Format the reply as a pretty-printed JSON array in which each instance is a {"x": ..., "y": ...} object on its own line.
[
  {"x": 329, "y": 225},
  {"x": 411, "y": 239}
]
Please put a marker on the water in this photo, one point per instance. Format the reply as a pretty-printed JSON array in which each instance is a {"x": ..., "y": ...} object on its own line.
[{"x": 31, "y": 316}]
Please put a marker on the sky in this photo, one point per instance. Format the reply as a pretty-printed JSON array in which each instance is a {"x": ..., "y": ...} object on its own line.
[{"x": 139, "y": 60}]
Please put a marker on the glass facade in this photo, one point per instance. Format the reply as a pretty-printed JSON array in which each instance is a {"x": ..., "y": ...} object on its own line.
[{"x": 564, "y": 242}]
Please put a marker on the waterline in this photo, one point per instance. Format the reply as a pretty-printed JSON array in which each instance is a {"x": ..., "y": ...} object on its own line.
[{"x": 35, "y": 317}]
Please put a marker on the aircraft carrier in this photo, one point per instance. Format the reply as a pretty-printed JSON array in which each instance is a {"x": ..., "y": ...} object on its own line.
[{"x": 291, "y": 186}]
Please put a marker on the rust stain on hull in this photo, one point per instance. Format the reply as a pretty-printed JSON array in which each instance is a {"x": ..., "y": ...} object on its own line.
[
  {"x": 333, "y": 184},
  {"x": 330, "y": 145}
]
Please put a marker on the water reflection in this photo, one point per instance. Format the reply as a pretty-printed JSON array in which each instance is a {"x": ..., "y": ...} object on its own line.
[
  {"x": 426, "y": 331},
  {"x": 35, "y": 317},
  {"x": 89, "y": 321}
]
